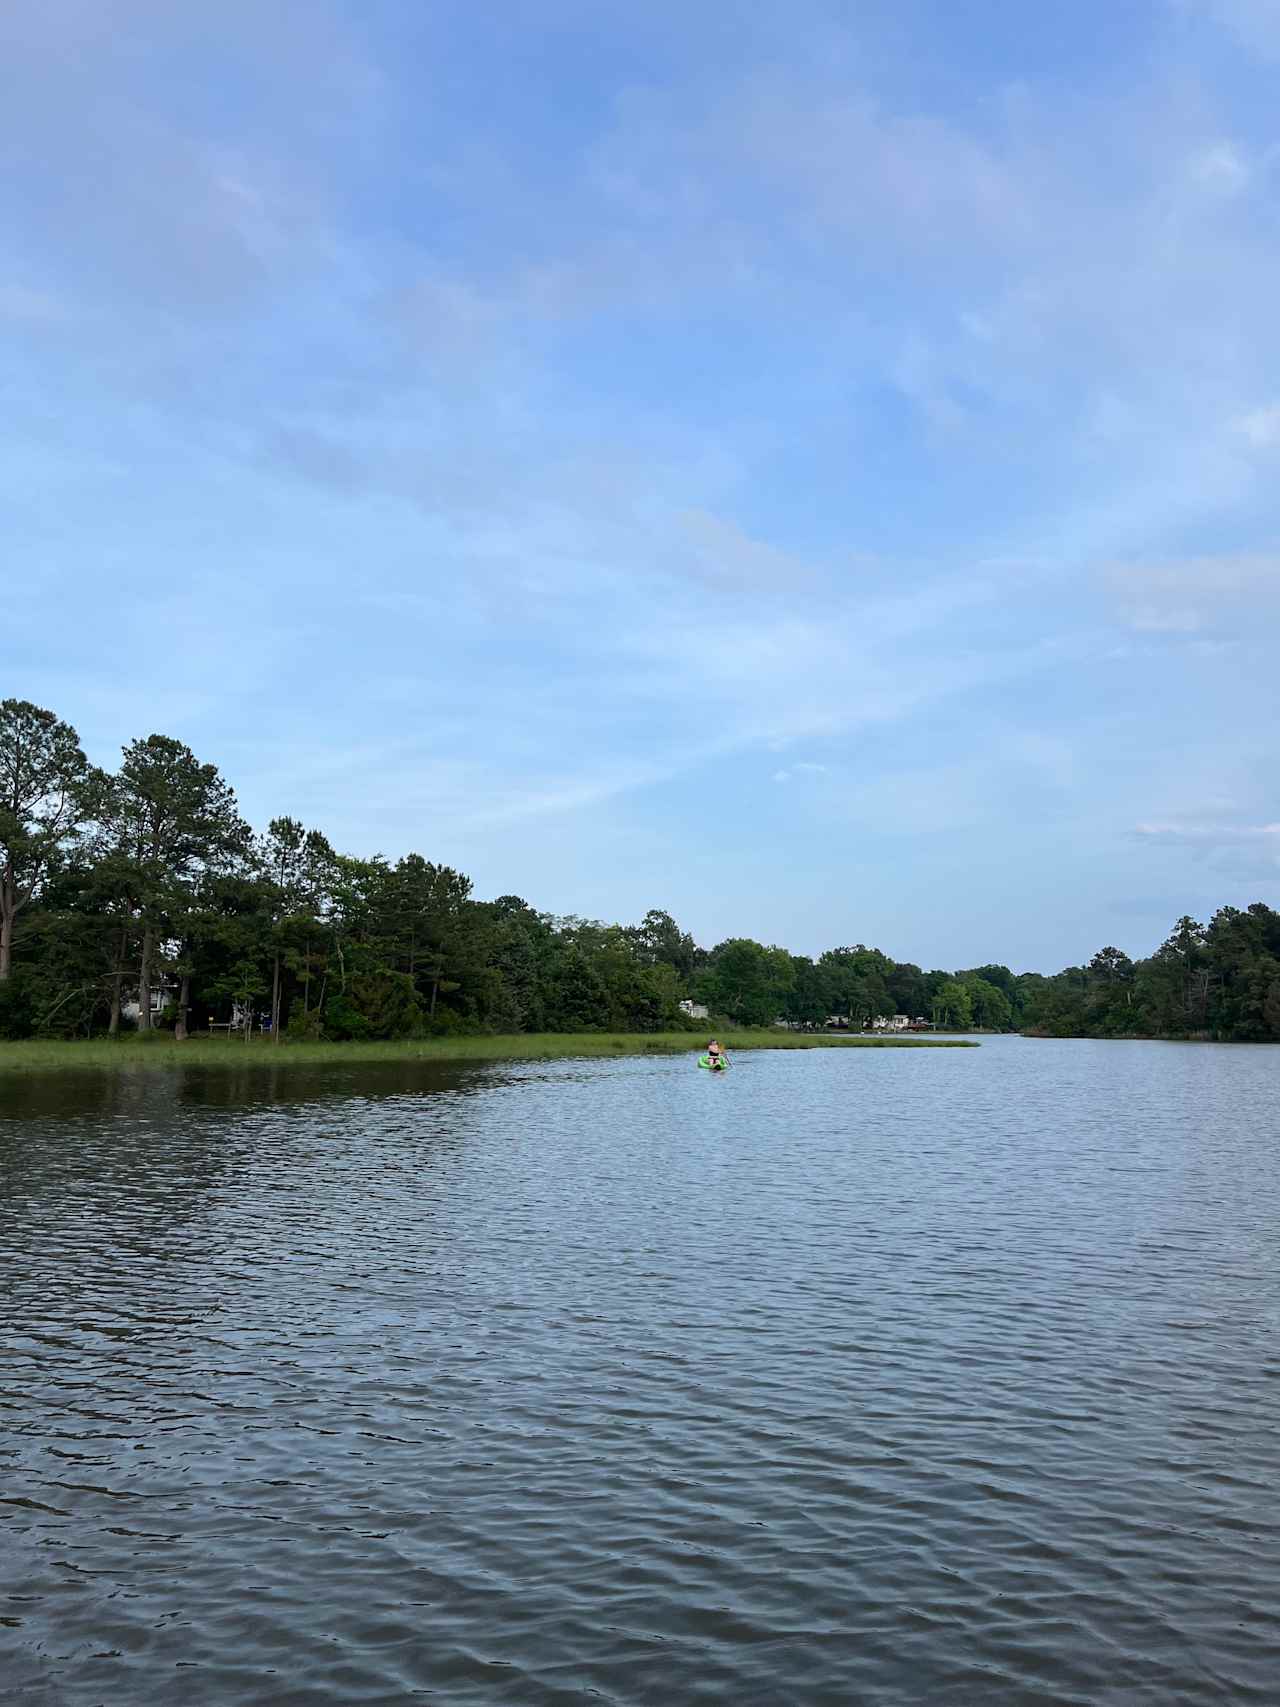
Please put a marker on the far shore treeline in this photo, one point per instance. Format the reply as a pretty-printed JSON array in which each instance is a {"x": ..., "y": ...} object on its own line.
[{"x": 142, "y": 898}]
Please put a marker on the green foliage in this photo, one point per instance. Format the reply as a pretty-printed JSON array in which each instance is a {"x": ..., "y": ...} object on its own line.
[
  {"x": 747, "y": 982},
  {"x": 376, "y": 1005},
  {"x": 1214, "y": 980},
  {"x": 953, "y": 1004},
  {"x": 576, "y": 999},
  {"x": 159, "y": 1051},
  {"x": 989, "y": 1008},
  {"x": 448, "y": 1022},
  {"x": 112, "y": 885},
  {"x": 857, "y": 982},
  {"x": 343, "y": 1020},
  {"x": 46, "y": 789},
  {"x": 809, "y": 1001},
  {"x": 17, "y": 1016},
  {"x": 659, "y": 942},
  {"x": 304, "y": 1027}
]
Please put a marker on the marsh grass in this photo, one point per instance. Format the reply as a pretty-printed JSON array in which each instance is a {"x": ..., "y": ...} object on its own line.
[{"x": 160, "y": 1052}]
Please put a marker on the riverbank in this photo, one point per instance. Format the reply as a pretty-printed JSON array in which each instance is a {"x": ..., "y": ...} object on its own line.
[{"x": 160, "y": 1052}]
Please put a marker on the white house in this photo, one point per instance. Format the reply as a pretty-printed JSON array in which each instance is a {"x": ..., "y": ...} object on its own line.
[
  {"x": 161, "y": 995},
  {"x": 694, "y": 1010}
]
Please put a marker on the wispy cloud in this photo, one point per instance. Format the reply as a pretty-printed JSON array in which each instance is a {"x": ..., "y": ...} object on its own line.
[
  {"x": 1186, "y": 596},
  {"x": 29, "y": 307},
  {"x": 488, "y": 434},
  {"x": 1255, "y": 24},
  {"x": 1248, "y": 853},
  {"x": 802, "y": 769},
  {"x": 1212, "y": 835},
  {"x": 1261, "y": 427}
]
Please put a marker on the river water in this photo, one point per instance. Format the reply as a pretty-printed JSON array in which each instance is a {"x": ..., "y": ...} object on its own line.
[{"x": 849, "y": 1377}]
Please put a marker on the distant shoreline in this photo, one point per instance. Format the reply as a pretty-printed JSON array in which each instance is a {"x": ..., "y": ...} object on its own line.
[{"x": 161, "y": 1052}]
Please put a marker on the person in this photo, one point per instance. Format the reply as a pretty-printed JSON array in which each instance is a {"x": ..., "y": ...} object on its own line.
[{"x": 719, "y": 1060}]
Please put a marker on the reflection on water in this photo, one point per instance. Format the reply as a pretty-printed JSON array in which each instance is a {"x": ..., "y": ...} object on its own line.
[
  {"x": 76, "y": 1095},
  {"x": 852, "y": 1377}
]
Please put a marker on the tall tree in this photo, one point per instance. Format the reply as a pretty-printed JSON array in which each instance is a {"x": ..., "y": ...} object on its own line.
[
  {"x": 857, "y": 980},
  {"x": 659, "y": 941},
  {"x": 44, "y": 784},
  {"x": 989, "y": 1007},
  {"x": 174, "y": 819},
  {"x": 294, "y": 861},
  {"x": 809, "y": 1000},
  {"x": 1187, "y": 974},
  {"x": 952, "y": 1005},
  {"x": 516, "y": 943},
  {"x": 747, "y": 982},
  {"x": 427, "y": 912}
]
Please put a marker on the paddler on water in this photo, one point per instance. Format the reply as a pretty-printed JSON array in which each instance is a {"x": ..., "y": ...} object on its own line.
[{"x": 717, "y": 1057}]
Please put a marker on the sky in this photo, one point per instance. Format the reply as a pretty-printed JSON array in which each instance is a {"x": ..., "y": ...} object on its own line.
[{"x": 810, "y": 467}]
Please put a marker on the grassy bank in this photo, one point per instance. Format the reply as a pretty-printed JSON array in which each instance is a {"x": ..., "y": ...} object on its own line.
[{"x": 160, "y": 1052}]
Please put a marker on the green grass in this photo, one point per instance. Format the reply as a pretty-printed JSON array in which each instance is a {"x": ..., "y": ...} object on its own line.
[{"x": 159, "y": 1051}]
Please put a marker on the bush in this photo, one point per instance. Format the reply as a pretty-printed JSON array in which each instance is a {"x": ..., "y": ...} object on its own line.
[
  {"x": 305, "y": 1027},
  {"x": 376, "y": 1005},
  {"x": 445, "y": 1022},
  {"x": 343, "y": 1022},
  {"x": 16, "y": 1018}
]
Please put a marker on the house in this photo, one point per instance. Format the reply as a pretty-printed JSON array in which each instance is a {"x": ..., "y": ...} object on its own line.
[
  {"x": 899, "y": 1022},
  {"x": 162, "y": 993},
  {"x": 694, "y": 1010}
]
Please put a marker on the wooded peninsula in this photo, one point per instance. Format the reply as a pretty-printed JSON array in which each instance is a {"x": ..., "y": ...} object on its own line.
[{"x": 141, "y": 900}]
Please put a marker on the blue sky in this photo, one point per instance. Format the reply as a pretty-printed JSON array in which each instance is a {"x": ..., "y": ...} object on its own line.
[{"x": 811, "y": 467}]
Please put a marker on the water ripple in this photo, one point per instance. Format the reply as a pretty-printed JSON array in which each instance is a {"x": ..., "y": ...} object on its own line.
[{"x": 880, "y": 1378}]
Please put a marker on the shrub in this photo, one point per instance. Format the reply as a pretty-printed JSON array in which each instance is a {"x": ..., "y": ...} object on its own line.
[
  {"x": 305, "y": 1027},
  {"x": 375, "y": 1005},
  {"x": 344, "y": 1022},
  {"x": 446, "y": 1022},
  {"x": 16, "y": 1018}
]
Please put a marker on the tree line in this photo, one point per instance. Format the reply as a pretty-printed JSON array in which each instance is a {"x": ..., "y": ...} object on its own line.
[{"x": 140, "y": 898}]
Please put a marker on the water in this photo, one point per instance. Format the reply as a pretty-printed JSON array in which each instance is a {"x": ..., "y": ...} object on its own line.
[{"x": 871, "y": 1377}]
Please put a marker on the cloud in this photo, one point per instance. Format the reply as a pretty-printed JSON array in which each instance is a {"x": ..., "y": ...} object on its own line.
[
  {"x": 802, "y": 769},
  {"x": 773, "y": 199},
  {"x": 1261, "y": 427},
  {"x": 30, "y": 307},
  {"x": 1255, "y": 24},
  {"x": 1211, "y": 835},
  {"x": 755, "y": 381},
  {"x": 808, "y": 147},
  {"x": 1237, "y": 852},
  {"x": 720, "y": 552},
  {"x": 1186, "y": 596},
  {"x": 315, "y": 457},
  {"x": 1221, "y": 168},
  {"x": 123, "y": 170}
]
